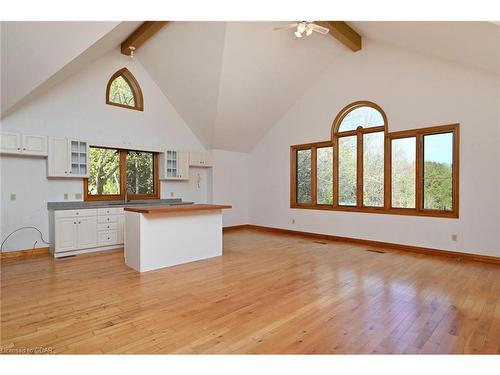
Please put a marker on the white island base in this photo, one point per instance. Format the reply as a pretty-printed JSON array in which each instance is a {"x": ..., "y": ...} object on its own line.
[{"x": 158, "y": 237}]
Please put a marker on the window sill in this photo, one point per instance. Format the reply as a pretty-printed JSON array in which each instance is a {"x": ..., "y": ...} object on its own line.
[{"x": 384, "y": 211}]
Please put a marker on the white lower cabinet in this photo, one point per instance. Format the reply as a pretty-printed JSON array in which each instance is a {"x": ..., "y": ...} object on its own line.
[
  {"x": 87, "y": 232},
  {"x": 66, "y": 231},
  {"x": 78, "y": 231}
]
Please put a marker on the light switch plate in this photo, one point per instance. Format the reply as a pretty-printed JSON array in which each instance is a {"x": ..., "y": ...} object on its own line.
[
  {"x": 13, "y": 197},
  {"x": 78, "y": 195},
  {"x": 65, "y": 196}
]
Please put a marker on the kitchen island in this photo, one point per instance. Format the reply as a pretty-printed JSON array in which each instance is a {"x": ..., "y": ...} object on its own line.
[{"x": 163, "y": 236}]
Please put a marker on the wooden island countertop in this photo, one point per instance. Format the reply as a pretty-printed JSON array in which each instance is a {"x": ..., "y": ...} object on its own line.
[{"x": 176, "y": 208}]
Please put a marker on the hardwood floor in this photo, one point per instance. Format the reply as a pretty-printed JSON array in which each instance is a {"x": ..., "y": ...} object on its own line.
[{"x": 268, "y": 293}]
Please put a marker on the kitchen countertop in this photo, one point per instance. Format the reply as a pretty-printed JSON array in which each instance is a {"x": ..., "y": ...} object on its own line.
[
  {"x": 176, "y": 208},
  {"x": 75, "y": 205}
]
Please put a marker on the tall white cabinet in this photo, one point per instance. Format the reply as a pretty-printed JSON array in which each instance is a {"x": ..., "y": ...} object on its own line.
[{"x": 68, "y": 158}]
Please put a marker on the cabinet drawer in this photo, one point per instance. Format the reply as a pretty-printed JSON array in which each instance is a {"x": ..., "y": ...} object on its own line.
[
  {"x": 110, "y": 211},
  {"x": 107, "y": 226},
  {"x": 107, "y": 219},
  {"x": 76, "y": 213},
  {"x": 108, "y": 237}
]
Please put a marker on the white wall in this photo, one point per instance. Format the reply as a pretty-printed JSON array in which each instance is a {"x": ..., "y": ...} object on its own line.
[
  {"x": 414, "y": 91},
  {"x": 231, "y": 185},
  {"x": 76, "y": 109}
]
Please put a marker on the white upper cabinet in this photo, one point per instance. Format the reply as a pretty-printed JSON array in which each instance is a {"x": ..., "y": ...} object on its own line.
[
  {"x": 34, "y": 145},
  {"x": 68, "y": 158},
  {"x": 200, "y": 159},
  {"x": 10, "y": 143},
  {"x": 174, "y": 165},
  {"x": 23, "y": 144}
]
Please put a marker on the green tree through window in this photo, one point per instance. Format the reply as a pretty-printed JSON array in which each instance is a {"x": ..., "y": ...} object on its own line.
[
  {"x": 121, "y": 92},
  {"x": 113, "y": 170}
]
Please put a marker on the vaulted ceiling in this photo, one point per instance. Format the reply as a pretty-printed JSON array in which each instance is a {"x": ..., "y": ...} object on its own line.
[{"x": 229, "y": 81}]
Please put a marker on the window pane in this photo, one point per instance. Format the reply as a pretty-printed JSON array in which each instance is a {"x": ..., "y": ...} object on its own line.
[
  {"x": 324, "y": 165},
  {"x": 438, "y": 175},
  {"x": 403, "y": 172},
  {"x": 373, "y": 169},
  {"x": 304, "y": 176},
  {"x": 366, "y": 117},
  {"x": 140, "y": 172},
  {"x": 120, "y": 92},
  {"x": 347, "y": 171},
  {"x": 104, "y": 171}
]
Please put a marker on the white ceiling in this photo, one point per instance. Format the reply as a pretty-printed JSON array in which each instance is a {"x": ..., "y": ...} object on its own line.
[
  {"x": 229, "y": 81},
  {"x": 185, "y": 61},
  {"x": 33, "y": 51},
  {"x": 473, "y": 44}
]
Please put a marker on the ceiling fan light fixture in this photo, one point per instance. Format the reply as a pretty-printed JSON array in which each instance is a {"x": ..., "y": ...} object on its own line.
[
  {"x": 298, "y": 34},
  {"x": 309, "y": 31},
  {"x": 301, "y": 27}
]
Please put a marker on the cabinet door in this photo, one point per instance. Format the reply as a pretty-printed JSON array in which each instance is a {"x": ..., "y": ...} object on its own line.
[
  {"x": 194, "y": 159},
  {"x": 58, "y": 162},
  {"x": 183, "y": 165},
  {"x": 78, "y": 159},
  {"x": 10, "y": 143},
  {"x": 208, "y": 159},
  {"x": 34, "y": 145},
  {"x": 66, "y": 234},
  {"x": 121, "y": 228},
  {"x": 87, "y": 232}
]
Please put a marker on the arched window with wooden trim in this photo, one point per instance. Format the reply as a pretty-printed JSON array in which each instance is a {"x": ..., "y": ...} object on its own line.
[
  {"x": 366, "y": 168},
  {"x": 124, "y": 91},
  {"x": 358, "y": 135}
]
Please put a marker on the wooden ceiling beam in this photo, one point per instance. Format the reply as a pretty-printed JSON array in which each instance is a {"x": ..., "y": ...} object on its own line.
[
  {"x": 343, "y": 33},
  {"x": 141, "y": 35}
]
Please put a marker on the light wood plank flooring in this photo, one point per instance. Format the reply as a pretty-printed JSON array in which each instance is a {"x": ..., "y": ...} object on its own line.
[{"x": 269, "y": 293}]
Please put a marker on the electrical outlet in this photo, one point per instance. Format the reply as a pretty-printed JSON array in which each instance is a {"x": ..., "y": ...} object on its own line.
[
  {"x": 293, "y": 221},
  {"x": 78, "y": 195},
  {"x": 65, "y": 196},
  {"x": 454, "y": 237},
  {"x": 13, "y": 197},
  {"x": 171, "y": 193}
]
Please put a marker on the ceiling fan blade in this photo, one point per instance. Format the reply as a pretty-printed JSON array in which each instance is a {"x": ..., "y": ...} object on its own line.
[
  {"x": 319, "y": 29},
  {"x": 289, "y": 26}
]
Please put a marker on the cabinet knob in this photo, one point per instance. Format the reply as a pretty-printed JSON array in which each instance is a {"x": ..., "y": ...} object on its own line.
[
  {"x": 74, "y": 222},
  {"x": 24, "y": 148},
  {"x": 78, "y": 213},
  {"x": 64, "y": 171},
  {"x": 79, "y": 222}
]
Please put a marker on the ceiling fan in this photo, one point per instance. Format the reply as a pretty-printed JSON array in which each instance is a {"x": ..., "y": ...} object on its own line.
[{"x": 304, "y": 28}]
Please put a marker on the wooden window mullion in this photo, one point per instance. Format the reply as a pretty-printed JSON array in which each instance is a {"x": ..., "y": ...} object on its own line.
[
  {"x": 335, "y": 172},
  {"x": 359, "y": 171},
  {"x": 387, "y": 172},
  {"x": 123, "y": 173},
  {"x": 419, "y": 181},
  {"x": 314, "y": 177}
]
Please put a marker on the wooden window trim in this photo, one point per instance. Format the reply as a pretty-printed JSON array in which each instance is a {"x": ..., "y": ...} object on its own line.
[
  {"x": 123, "y": 181},
  {"x": 134, "y": 85},
  {"x": 386, "y": 209},
  {"x": 359, "y": 133}
]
